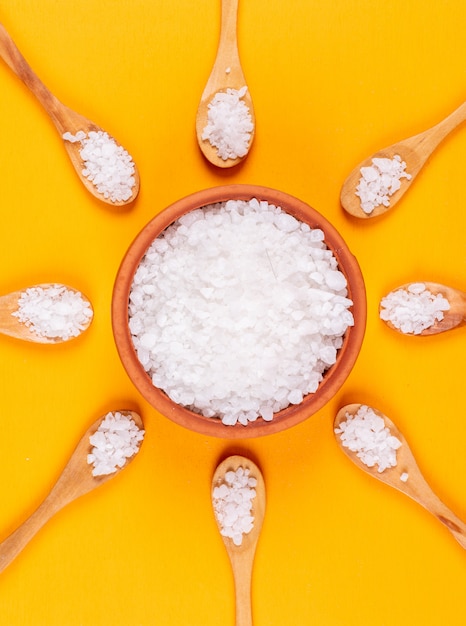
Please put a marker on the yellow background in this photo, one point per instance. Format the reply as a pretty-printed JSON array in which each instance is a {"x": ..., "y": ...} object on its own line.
[{"x": 332, "y": 82}]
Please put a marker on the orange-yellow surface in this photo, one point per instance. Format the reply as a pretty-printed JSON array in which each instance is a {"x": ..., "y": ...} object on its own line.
[{"x": 332, "y": 82}]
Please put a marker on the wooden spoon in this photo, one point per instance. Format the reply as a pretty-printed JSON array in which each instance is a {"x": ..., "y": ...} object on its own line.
[
  {"x": 242, "y": 556},
  {"x": 64, "y": 119},
  {"x": 454, "y": 317},
  {"x": 13, "y": 327},
  {"x": 413, "y": 151},
  {"x": 415, "y": 486},
  {"x": 75, "y": 480},
  {"x": 226, "y": 74}
]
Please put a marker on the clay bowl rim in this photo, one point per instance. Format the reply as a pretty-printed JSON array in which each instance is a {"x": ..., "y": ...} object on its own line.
[{"x": 333, "y": 378}]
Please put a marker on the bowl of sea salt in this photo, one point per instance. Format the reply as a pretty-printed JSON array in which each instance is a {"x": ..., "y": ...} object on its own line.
[{"x": 238, "y": 311}]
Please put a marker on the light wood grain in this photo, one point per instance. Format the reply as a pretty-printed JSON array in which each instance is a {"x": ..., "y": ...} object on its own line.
[
  {"x": 226, "y": 73},
  {"x": 414, "y": 151},
  {"x": 10, "y": 325},
  {"x": 242, "y": 556},
  {"x": 454, "y": 317},
  {"x": 75, "y": 480},
  {"x": 63, "y": 118},
  {"x": 416, "y": 486}
]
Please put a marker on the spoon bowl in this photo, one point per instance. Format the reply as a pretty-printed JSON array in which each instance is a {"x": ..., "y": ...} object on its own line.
[
  {"x": 13, "y": 327},
  {"x": 414, "y": 151},
  {"x": 75, "y": 480},
  {"x": 242, "y": 556},
  {"x": 454, "y": 317},
  {"x": 226, "y": 73},
  {"x": 64, "y": 119},
  {"x": 416, "y": 486}
]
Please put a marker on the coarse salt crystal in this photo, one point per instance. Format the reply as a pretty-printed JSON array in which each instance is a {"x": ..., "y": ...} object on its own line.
[
  {"x": 404, "y": 477},
  {"x": 380, "y": 181},
  {"x": 116, "y": 440},
  {"x": 414, "y": 309}
]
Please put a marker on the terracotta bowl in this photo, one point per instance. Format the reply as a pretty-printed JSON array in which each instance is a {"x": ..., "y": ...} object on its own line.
[{"x": 333, "y": 378}]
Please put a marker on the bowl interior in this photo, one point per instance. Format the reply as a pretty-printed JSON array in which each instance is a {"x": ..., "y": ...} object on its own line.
[{"x": 334, "y": 376}]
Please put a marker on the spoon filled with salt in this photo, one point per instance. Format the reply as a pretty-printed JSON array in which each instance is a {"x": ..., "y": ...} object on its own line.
[
  {"x": 104, "y": 166},
  {"x": 45, "y": 313},
  {"x": 423, "y": 308},
  {"x": 238, "y": 484},
  {"x": 225, "y": 122},
  {"x": 106, "y": 448},
  {"x": 373, "y": 442},
  {"x": 380, "y": 181}
]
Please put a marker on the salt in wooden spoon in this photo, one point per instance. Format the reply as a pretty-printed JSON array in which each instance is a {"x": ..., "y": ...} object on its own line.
[
  {"x": 64, "y": 118},
  {"x": 454, "y": 317},
  {"x": 75, "y": 480},
  {"x": 242, "y": 556},
  {"x": 226, "y": 73},
  {"x": 414, "y": 151},
  {"x": 13, "y": 327},
  {"x": 416, "y": 487}
]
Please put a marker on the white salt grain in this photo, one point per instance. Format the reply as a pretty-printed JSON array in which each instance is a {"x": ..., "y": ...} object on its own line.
[
  {"x": 366, "y": 434},
  {"x": 115, "y": 441},
  {"x": 380, "y": 181},
  {"x": 107, "y": 165},
  {"x": 232, "y": 501},
  {"x": 229, "y": 124},
  {"x": 404, "y": 477},
  {"x": 55, "y": 311},
  {"x": 235, "y": 326},
  {"x": 414, "y": 309}
]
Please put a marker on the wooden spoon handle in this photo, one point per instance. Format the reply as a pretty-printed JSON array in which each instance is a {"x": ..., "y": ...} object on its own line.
[
  {"x": 228, "y": 35},
  {"x": 227, "y": 52},
  {"x": 421, "y": 491},
  {"x": 10, "y": 53},
  {"x": 242, "y": 572},
  {"x": 14, "y": 543},
  {"x": 64, "y": 491},
  {"x": 428, "y": 141},
  {"x": 456, "y": 526}
]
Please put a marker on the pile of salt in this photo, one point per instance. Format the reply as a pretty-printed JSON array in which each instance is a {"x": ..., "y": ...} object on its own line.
[
  {"x": 232, "y": 502},
  {"x": 117, "y": 439},
  {"x": 366, "y": 434},
  {"x": 229, "y": 124},
  {"x": 380, "y": 181},
  {"x": 55, "y": 311},
  {"x": 108, "y": 166},
  {"x": 414, "y": 309},
  {"x": 237, "y": 310}
]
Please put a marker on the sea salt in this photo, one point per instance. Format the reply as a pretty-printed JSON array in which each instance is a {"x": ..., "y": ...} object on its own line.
[
  {"x": 414, "y": 309},
  {"x": 108, "y": 166},
  {"x": 233, "y": 501},
  {"x": 54, "y": 311},
  {"x": 117, "y": 439},
  {"x": 365, "y": 433},
  {"x": 237, "y": 310},
  {"x": 380, "y": 181},
  {"x": 229, "y": 124}
]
